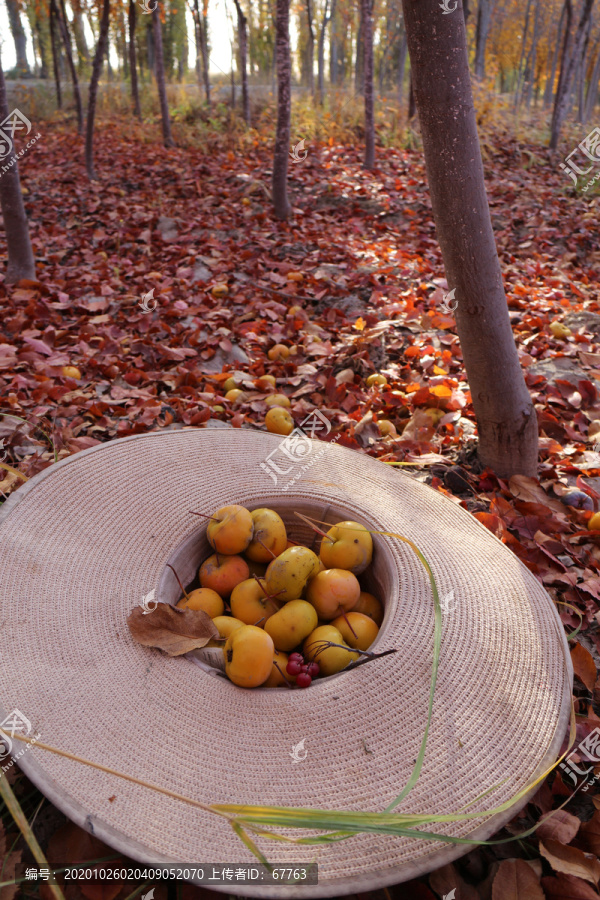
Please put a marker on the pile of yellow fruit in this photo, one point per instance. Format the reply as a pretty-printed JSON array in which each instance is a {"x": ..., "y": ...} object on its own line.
[{"x": 277, "y": 605}]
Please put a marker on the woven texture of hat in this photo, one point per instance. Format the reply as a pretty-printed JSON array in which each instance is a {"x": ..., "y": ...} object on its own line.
[{"x": 87, "y": 538}]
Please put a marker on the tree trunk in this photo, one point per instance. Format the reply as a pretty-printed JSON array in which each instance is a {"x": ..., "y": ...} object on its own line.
[
  {"x": 310, "y": 49},
  {"x": 284, "y": 107},
  {"x": 135, "y": 94},
  {"x": 549, "y": 91},
  {"x": 366, "y": 10},
  {"x": 327, "y": 16},
  {"x": 533, "y": 54},
  {"x": 243, "y": 46},
  {"x": 61, "y": 18},
  {"x": 567, "y": 70},
  {"x": 79, "y": 33},
  {"x": 522, "y": 56},
  {"x": 93, "y": 91},
  {"x": 508, "y": 431},
  {"x": 582, "y": 72},
  {"x": 484, "y": 16},
  {"x": 412, "y": 109},
  {"x": 21, "y": 263},
  {"x": 402, "y": 66},
  {"x": 359, "y": 66},
  {"x": 592, "y": 91},
  {"x": 19, "y": 37},
  {"x": 202, "y": 28},
  {"x": 333, "y": 50},
  {"x": 54, "y": 43},
  {"x": 160, "y": 79}
]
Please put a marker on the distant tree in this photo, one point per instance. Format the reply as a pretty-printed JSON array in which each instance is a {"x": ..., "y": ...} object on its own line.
[
  {"x": 159, "y": 70},
  {"x": 19, "y": 37},
  {"x": 310, "y": 48},
  {"x": 242, "y": 29},
  {"x": 484, "y": 16},
  {"x": 328, "y": 14},
  {"x": 571, "y": 56},
  {"x": 135, "y": 94},
  {"x": 366, "y": 23},
  {"x": 61, "y": 18},
  {"x": 281, "y": 202},
  {"x": 55, "y": 44},
  {"x": 201, "y": 33},
  {"x": 506, "y": 417},
  {"x": 93, "y": 90},
  {"x": 21, "y": 263}
]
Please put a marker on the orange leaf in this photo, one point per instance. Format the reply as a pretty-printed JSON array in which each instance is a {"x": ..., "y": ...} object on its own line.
[
  {"x": 360, "y": 324},
  {"x": 584, "y": 666},
  {"x": 570, "y": 861},
  {"x": 440, "y": 390}
]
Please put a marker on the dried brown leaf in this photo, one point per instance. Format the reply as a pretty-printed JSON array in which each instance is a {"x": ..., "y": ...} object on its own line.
[
  {"x": 516, "y": 880},
  {"x": 561, "y": 826},
  {"x": 584, "y": 666},
  {"x": 176, "y": 631},
  {"x": 570, "y": 861},
  {"x": 566, "y": 887},
  {"x": 526, "y": 488}
]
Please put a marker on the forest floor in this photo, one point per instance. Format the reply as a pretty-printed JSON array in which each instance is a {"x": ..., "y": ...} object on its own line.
[{"x": 169, "y": 274}]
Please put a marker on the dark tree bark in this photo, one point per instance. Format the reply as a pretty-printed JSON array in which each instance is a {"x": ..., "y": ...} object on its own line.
[
  {"x": 79, "y": 34},
  {"x": 327, "y": 16},
  {"x": 202, "y": 28},
  {"x": 549, "y": 91},
  {"x": 572, "y": 52},
  {"x": 135, "y": 94},
  {"x": 310, "y": 48},
  {"x": 19, "y": 37},
  {"x": 522, "y": 56},
  {"x": 530, "y": 77},
  {"x": 243, "y": 47},
  {"x": 508, "y": 431},
  {"x": 582, "y": 72},
  {"x": 484, "y": 18},
  {"x": 402, "y": 65},
  {"x": 54, "y": 43},
  {"x": 93, "y": 91},
  {"x": 592, "y": 91},
  {"x": 359, "y": 65},
  {"x": 21, "y": 263},
  {"x": 61, "y": 18},
  {"x": 366, "y": 10},
  {"x": 281, "y": 203},
  {"x": 412, "y": 109},
  {"x": 160, "y": 78}
]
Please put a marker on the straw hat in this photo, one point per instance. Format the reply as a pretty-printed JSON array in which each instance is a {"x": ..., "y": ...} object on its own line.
[{"x": 84, "y": 540}]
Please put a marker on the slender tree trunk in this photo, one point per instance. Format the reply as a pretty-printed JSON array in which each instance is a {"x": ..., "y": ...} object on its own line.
[
  {"x": 327, "y": 16},
  {"x": 202, "y": 29},
  {"x": 93, "y": 91},
  {"x": 21, "y": 263},
  {"x": 484, "y": 16},
  {"x": 367, "y": 31},
  {"x": 333, "y": 50},
  {"x": 160, "y": 79},
  {"x": 135, "y": 94},
  {"x": 359, "y": 66},
  {"x": 243, "y": 47},
  {"x": 54, "y": 43},
  {"x": 549, "y": 91},
  {"x": 522, "y": 59},
  {"x": 592, "y": 91},
  {"x": 79, "y": 34},
  {"x": 402, "y": 66},
  {"x": 533, "y": 54},
  {"x": 582, "y": 71},
  {"x": 284, "y": 105},
  {"x": 568, "y": 68},
  {"x": 61, "y": 18},
  {"x": 506, "y": 418},
  {"x": 18, "y": 34},
  {"x": 310, "y": 48}
]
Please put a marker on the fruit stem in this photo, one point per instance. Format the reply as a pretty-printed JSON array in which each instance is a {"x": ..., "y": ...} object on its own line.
[
  {"x": 348, "y": 623},
  {"x": 271, "y": 597},
  {"x": 262, "y": 618},
  {"x": 204, "y": 516},
  {"x": 185, "y": 593},
  {"x": 314, "y": 527},
  {"x": 267, "y": 548},
  {"x": 288, "y": 684}
]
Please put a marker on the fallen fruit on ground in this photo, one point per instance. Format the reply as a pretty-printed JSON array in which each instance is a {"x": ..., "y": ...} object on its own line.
[
  {"x": 278, "y": 400},
  {"x": 232, "y": 531},
  {"x": 71, "y": 372},
  {"x": 559, "y": 330},
  {"x": 278, "y": 351},
  {"x": 279, "y": 421},
  {"x": 379, "y": 380},
  {"x": 594, "y": 523},
  {"x": 265, "y": 382},
  {"x": 248, "y": 656},
  {"x": 235, "y": 396},
  {"x": 294, "y": 622},
  {"x": 387, "y": 428},
  {"x": 348, "y": 545}
]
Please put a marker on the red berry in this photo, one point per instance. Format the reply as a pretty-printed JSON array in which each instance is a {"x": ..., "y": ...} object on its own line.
[
  {"x": 313, "y": 669},
  {"x": 293, "y": 667},
  {"x": 297, "y": 656},
  {"x": 303, "y": 680}
]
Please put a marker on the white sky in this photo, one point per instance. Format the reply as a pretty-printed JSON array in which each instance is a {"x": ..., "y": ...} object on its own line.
[{"x": 220, "y": 38}]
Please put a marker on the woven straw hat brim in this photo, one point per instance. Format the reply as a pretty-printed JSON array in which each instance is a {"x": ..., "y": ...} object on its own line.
[{"x": 84, "y": 540}]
